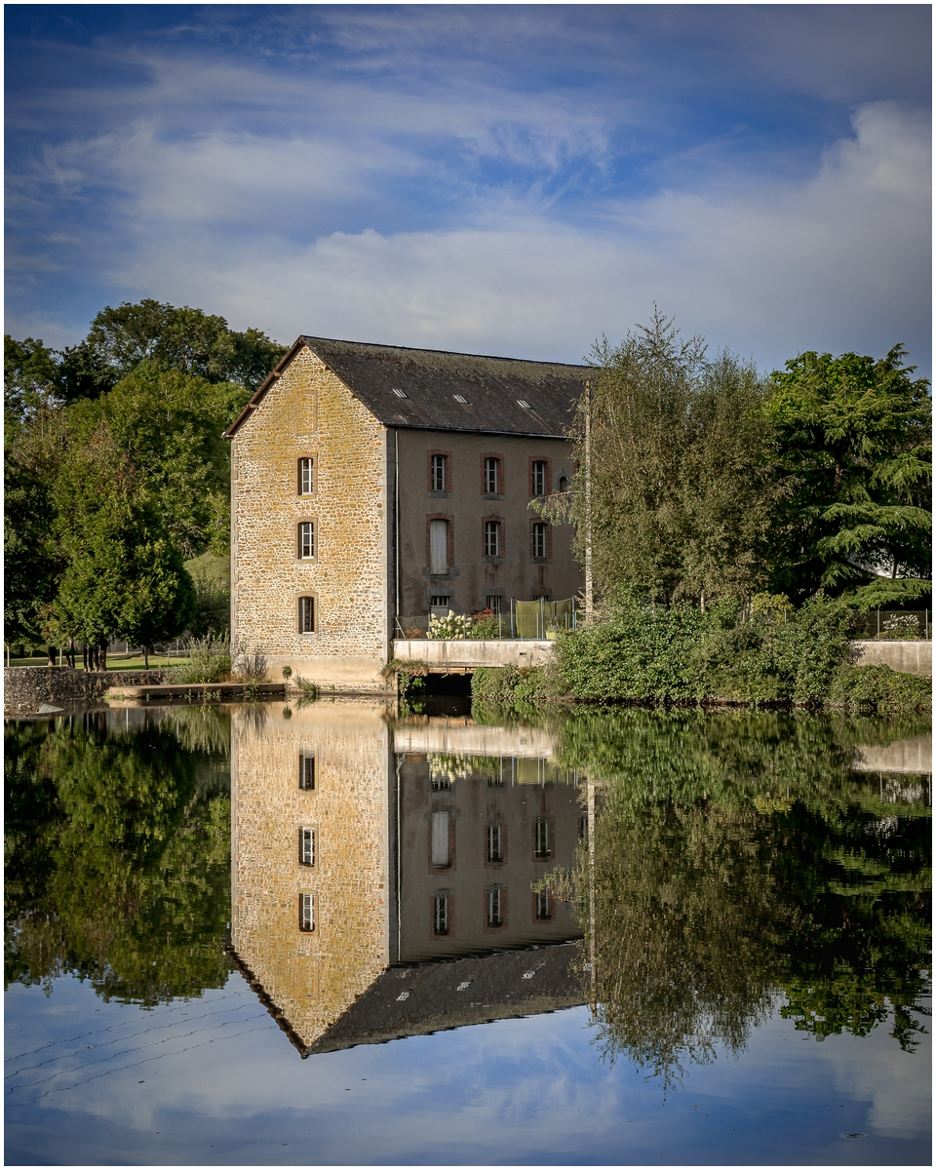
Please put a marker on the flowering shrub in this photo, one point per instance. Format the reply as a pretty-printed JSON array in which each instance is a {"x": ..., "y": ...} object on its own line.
[
  {"x": 487, "y": 625},
  {"x": 900, "y": 627},
  {"x": 449, "y": 626}
]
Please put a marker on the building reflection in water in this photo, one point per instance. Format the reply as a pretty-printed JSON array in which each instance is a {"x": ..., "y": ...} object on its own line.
[{"x": 383, "y": 875}]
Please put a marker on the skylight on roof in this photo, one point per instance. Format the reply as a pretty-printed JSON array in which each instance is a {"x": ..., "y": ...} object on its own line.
[
  {"x": 523, "y": 402},
  {"x": 460, "y": 398},
  {"x": 398, "y": 392}
]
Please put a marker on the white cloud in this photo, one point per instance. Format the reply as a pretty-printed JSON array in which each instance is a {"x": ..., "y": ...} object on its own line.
[{"x": 766, "y": 268}]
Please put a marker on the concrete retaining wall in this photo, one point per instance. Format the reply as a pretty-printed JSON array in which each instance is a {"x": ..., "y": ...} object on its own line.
[
  {"x": 907, "y": 657},
  {"x": 461, "y": 655},
  {"x": 27, "y": 688}
]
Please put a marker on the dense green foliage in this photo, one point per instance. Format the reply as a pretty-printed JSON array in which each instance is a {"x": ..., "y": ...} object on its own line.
[
  {"x": 880, "y": 689},
  {"x": 671, "y": 488},
  {"x": 117, "y": 473},
  {"x": 696, "y": 480},
  {"x": 854, "y": 460},
  {"x": 737, "y": 858},
  {"x": 117, "y": 854},
  {"x": 769, "y": 654}
]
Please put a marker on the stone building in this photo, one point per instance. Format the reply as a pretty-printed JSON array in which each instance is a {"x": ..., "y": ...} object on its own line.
[{"x": 372, "y": 483}]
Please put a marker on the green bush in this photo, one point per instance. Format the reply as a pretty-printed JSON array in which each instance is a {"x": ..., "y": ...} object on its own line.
[
  {"x": 879, "y": 690},
  {"x": 209, "y": 661},
  {"x": 637, "y": 652},
  {"x": 641, "y": 653},
  {"x": 511, "y": 686},
  {"x": 771, "y": 656}
]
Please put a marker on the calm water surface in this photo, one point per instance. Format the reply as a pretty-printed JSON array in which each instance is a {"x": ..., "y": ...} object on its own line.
[{"x": 321, "y": 935}]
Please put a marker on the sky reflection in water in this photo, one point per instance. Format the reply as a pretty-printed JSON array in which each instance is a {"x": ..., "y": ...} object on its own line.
[{"x": 213, "y": 1079}]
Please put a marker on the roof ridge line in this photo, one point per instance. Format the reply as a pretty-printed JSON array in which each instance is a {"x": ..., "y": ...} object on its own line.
[{"x": 307, "y": 337}]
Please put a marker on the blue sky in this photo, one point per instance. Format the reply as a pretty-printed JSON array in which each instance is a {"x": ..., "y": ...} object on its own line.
[{"x": 489, "y": 178}]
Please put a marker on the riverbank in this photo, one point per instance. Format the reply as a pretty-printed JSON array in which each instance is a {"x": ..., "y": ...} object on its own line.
[
  {"x": 771, "y": 657},
  {"x": 856, "y": 689}
]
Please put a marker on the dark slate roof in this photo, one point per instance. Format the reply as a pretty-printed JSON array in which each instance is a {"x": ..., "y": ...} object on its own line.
[
  {"x": 455, "y": 993},
  {"x": 445, "y": 994},
  {"x": 430, "y": 379}
]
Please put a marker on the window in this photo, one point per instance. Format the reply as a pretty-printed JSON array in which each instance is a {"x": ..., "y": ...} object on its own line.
[
  {"x": 306, "y": 476},
  {"x": 542, "y": 838},
  {"x": 539, "y": 541},
  {"x": 495, "y": 843},
  {"x": 543, "y": 906},
  {"x": 583, "y": 828},
  {"x": 440, "y": 914},
  {"x": 493, "y": 538},
  {"x": 441, "y": 844},
  {"x": 307, "y": 912},
  {"x": 440, "y": 536},
  {"x": 306, "y": 540},
  {"x": 563, "y": 483},
  {"x": 440, "y": 601},
  {"x": 399, "y": 393},
  {"x": 495, "y": 603},
  {"x": 306, "y": 846},
  {"x": 493, "y": 484},
  {"x": 306, "y": 771},
  {"x": 495, "y": 906},
  {"x": 306, "y": 615},
  {"x": 438, "y": 472},
  {"x": 440, "y": 783},
  {"x": 538, "y": 477}
]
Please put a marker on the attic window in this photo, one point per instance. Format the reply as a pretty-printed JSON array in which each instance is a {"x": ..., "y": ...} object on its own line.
[
  {"x": 523, "y": 402},
  {"x": 398, "y": 392},
  {"x": 460, "y": 398}
]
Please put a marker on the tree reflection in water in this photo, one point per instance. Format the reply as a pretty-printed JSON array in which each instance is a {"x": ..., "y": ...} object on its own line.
[
  {"x": 117, "y": 853},
  {"x": 738, "y": 864}
]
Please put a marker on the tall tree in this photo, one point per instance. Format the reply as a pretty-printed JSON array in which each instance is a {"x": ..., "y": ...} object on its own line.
[
  {"x": 30, "y": 380},
  {"x": 854, "y": 453},
  {"x": 123, "y": 577},
  {"x": 32, "y": 557},
  {"x": 670, "y": 492},
  {"x": 169, "y": 423},
  {"x": 183, "y": 339},
  {"x": 725, "y": 483}
]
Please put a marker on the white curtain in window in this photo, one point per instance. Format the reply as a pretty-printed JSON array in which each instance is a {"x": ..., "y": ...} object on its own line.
[
  {"x": 440, "y": 838},
  {"x": 438, "y": 546}
]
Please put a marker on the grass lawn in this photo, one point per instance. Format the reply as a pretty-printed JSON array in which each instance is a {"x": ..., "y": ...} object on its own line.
[{"x": 114, "y": 661}]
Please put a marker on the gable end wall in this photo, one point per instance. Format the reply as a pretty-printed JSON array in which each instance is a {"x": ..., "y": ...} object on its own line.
[{"x": 308, "y": 411}]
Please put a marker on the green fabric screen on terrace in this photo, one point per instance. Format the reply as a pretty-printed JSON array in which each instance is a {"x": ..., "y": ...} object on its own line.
[{"x": 535, "y": 618}]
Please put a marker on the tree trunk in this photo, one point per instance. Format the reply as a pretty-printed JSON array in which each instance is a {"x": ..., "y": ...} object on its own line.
[
  {"x": 146, "y": 657},
  {"x": 103, "y": 665},
  {"x": 52, "y": 659}
]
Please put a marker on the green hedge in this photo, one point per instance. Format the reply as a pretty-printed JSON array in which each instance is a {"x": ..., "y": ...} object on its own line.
[
  {"x": 645, "y": 654},
  {"x": 878, "y": 689},
  {"x": 767, "y": 655}
]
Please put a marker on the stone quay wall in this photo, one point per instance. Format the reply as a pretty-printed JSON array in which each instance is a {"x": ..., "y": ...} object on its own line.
[{"x": 27, "y": 688}]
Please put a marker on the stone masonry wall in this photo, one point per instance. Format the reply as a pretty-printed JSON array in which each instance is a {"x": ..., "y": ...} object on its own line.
[
  {"x": 309, "y": 412},
  {"x": 27, "y": 688},
  {"x": 311, "y": 977}
]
